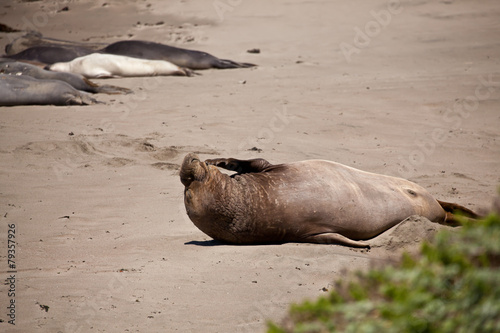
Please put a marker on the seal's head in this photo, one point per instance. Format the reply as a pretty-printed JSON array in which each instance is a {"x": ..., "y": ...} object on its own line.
[
  {"x": 58, "y": 67},
  {"x": 192, "y": 169},
  {"x": 209, "y": 199}
]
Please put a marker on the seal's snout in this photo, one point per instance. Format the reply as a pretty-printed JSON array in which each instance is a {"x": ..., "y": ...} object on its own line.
[
  {"x": 190, "y": 158},
  {"x": 58, "y": 67},
  {"x": 191, "y": 169},
  {"x": 193, "y": 158}
]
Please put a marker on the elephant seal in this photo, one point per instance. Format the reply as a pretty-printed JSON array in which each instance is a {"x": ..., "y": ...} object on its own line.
[
  {"x": 181, "y": 57},
  {"x": 78, "y": 82},
  {"x": 26, "y": 90},
  {"x": 34, "y": 38},
  {"x": 35, "y": 47},
  {"x": 314, "y": 201},
  {"x": 97, "y": 65},
  {"x": 49, "y": 54}
]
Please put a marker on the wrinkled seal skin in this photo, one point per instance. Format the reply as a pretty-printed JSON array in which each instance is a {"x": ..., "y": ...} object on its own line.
[
  {"x": 181, "y": 57},
  {"x": 313, "y": 201},
  {"x": 26, "y": 90},
  {"x": 78, "y": 82}
]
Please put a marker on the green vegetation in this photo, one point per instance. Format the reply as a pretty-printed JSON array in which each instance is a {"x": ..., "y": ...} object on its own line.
[{"x": 452, "y": 286}]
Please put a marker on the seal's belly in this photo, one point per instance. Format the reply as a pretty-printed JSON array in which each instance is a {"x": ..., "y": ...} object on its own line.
[{"x": 313, "y": 197}]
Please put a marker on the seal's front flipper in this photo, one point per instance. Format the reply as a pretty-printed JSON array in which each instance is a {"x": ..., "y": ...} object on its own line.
[
  {"x": 334, "y": 238},
  {"x": 240, "y": 166}
]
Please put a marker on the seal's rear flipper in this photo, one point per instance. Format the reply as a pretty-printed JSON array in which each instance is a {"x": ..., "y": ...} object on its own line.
[
  {"x": 189, "y": 72},
  {"x": 240, "y": 166},
  {"x": 227, "y": 64},
  {"x": 453, "y": 209},
  {"x": 335, "y": 238}
]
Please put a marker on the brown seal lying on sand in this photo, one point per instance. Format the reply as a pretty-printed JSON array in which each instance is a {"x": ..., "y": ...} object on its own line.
[{"x": 312, "y": 201}]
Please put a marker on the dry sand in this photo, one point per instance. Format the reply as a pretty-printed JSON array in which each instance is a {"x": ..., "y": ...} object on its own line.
[{"x": 102, "y": 236}]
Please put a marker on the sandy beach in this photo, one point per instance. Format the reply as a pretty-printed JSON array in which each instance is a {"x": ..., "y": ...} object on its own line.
[{"x": 103, "y": 243}]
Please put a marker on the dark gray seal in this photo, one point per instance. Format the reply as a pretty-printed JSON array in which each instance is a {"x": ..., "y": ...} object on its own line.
[
  {"x": 33, "y": 38},
  {"x": 78, "y": 82},
  {"x": 313, "y": 201},
  {"x": 35, "y": 47},
  {"x": 49, "y": 54},
  {"x": 26, "y": 90},
  {"x": 181, "y": 57}
]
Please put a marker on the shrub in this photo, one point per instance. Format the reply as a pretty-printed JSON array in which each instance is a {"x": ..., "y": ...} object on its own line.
[{"x": 453, "y": 285}]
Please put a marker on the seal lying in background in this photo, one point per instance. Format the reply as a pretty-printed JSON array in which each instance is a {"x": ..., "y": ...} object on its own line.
[
  {"x": 181, "y": 57},
  {"x": 26, "y": 90},
  {"x": 49, "y": 54},
  {"x": 49, "y": 51},
  {"x": 34, "y": 38},
  {"x": 313, "y": 201},
  {"x": 10, "y": 67},
  {"x": 97, "y": 65}
]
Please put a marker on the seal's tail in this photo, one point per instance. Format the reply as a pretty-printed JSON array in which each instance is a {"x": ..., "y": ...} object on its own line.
[
  {"x": 226, "y": 64},
  {"x": 453, "y": 209}
]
